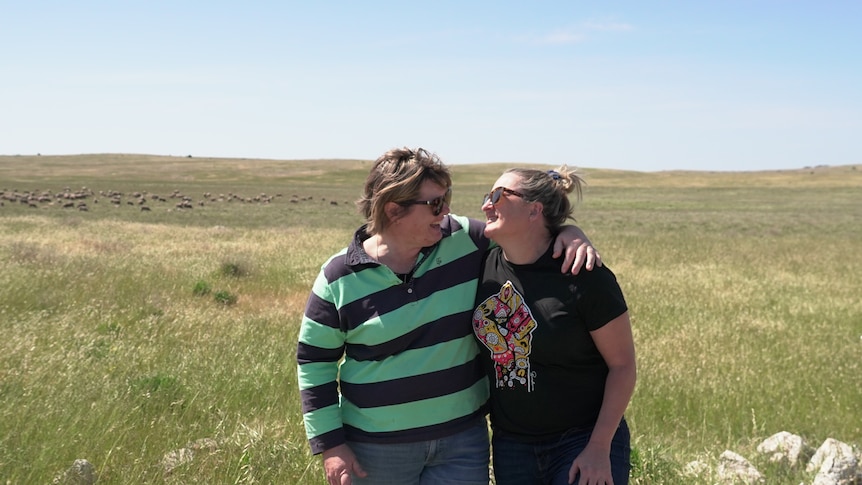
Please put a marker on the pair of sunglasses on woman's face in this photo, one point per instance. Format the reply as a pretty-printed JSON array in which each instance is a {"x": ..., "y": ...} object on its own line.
[
  {"x": 436, "y": 204},
  {"x": 494, "y": 195}
]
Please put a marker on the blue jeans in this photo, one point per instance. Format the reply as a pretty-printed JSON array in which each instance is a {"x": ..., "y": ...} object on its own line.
[
  {"x": 548, "y": 462},
  {"x": 462, "y": 458}
]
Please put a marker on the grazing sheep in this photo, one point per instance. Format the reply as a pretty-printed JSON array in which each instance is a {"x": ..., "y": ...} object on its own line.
[{"x": 71, "y": 198}]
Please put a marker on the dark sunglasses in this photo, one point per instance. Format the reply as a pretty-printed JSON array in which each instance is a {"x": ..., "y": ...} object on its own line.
[
  {"x": 495, "y": 195},
  {"x": 436, "y": 203}
]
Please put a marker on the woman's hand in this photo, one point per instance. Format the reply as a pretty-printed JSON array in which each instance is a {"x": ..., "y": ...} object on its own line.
[
  {"x": 579, "y": 250},
  {"x": 340, "y": 463},
  {"x": 593, "y": 465}
]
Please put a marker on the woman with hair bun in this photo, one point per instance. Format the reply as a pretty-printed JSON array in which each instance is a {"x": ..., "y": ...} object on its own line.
[{"x": 558, "y": 348}]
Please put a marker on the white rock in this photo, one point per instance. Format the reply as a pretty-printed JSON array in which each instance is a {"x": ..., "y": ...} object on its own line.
[
  {"x": 733, "y": 468},
  {"x": 175, "y": 458},
  {"x": 783, "y": 446},
  {"x": 835, "y": 464}
]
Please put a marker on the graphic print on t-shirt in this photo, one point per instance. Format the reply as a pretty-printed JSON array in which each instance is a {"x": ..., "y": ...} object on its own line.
[{"x": 504, "y": 324}]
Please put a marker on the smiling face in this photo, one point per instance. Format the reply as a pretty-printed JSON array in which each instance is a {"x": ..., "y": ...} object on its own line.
[
  {"x": 416, "y": 223},
  {"x": 510, "y": 213}
]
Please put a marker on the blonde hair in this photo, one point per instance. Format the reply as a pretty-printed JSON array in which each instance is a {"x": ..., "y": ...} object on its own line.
[
  {"x": 551, "y": 188},
  {"x": 397, "y": 176}
]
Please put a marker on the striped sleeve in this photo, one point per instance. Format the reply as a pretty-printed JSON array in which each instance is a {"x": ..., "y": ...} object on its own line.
[{"x": 320, "y": 347}]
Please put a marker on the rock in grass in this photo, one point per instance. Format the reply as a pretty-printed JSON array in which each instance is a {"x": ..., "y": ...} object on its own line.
[
  {"x": 733, "y": 468},
  {"x": 82, "y": 472},
  {"x": 785, "y": 447},
  {"x": 835, "y": 464}
]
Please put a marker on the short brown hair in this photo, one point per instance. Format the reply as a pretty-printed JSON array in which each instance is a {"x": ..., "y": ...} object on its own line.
[{"x": 397, "y": 176}]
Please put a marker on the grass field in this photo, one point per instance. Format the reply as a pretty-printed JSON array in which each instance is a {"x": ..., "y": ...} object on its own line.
[{"x": 159, "y": 344}]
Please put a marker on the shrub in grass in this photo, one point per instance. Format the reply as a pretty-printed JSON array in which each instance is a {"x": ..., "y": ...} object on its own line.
[
  {"x": 109, "y": 328},
  {"x": 157, "y": 393},
  {"x": 234, "y": 269},
  {"x": 149, "y": 385},
  {"x": 225, "y": 297},
  {"x": 202, "y": 288},
  {"x": 99, "y": 349}
]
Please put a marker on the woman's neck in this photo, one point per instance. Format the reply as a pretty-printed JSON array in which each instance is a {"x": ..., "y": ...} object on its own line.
[
  {"x": 388, "y": 251},
  {"x": 527, "y": 249}
]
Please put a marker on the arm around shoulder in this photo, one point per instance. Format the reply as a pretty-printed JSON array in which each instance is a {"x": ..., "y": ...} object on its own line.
[{"x": 579, "y": 251}]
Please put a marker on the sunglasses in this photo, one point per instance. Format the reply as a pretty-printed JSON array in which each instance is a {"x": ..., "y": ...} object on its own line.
[
  {"x": 436, "y": 203},
  {"x": 495, "y": 195}
]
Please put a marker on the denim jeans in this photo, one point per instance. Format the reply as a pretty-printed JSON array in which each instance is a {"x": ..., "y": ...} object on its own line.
[
  {"x": 462, "y": 458},
  {"x": 548, "y": 463}
]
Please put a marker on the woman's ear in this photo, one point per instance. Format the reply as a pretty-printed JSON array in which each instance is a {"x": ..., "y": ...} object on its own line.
[
  {"x": 393, "y": 211},
  {"x": 536, "y": 210}
]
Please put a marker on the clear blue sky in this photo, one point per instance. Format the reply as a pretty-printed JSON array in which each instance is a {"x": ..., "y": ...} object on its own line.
[{"x": 639, "y": 85}]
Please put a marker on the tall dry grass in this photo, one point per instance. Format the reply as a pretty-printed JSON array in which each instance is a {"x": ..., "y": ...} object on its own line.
[{"x": 160, "y": 345}]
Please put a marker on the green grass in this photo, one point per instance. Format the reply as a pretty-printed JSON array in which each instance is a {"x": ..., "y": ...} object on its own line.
[{"x": 743, "y": 288}]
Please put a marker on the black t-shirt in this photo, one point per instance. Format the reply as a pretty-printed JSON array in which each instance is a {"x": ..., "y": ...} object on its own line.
[{"x": 533, "y": 323}]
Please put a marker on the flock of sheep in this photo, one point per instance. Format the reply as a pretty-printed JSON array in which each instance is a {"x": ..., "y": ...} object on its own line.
[{"x": 82, "y": 198}]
